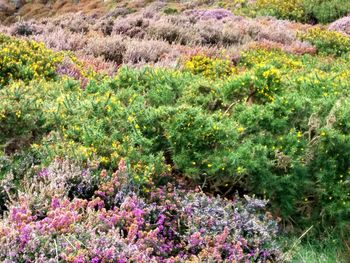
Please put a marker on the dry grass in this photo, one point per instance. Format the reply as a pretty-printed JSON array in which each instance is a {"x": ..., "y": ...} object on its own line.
[{"x": 39, "y": 9}]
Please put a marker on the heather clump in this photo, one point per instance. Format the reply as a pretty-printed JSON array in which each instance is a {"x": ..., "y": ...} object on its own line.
[
  {"x": 24, "y": 28},
  {"x": 111, "y": 48},
  {"x": 62, "y": 40},
  {"x": 278, "y": 33},
  {"x": 240, "y": 32},
  {"x": 74, "y": 22},
  {"x": 341, "y": 25},
  {"x": 173, "y": 31},
  {"x": 134, "y": 27},
  {"x": 98, "y": 64},
  {"x": 145, "y": 51},
  {"x": 121, "y": 225},
  {"x": 106, "y": 36},
  {"x": 215, "y": 14}
]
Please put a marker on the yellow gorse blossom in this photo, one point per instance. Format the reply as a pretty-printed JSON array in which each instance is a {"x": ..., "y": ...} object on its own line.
[
  {"x": 26, "y": 60},
  {"x": 211, "y": 68}
]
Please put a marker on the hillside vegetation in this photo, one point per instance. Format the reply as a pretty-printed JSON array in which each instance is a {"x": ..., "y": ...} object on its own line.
[{"x": 175, "y": 131}]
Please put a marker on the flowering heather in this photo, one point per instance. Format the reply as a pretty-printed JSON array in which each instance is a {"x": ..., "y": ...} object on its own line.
[
  {"x": 341, "y": 25},
  {"x": 111, "y": 48},
  {"x": 26, "y": 28},
  {"x": 147, "y": 51},
  {"x": 116, "y": 224},
  {"x": 76, "y": 23},
  {"x": 297, "y": 47},
  {"x": 134, "y": 26},
  {"x": 116, "y": 37},
  {"x": 216, "y": 14},
  {"x": 62, "y": 39},
  {"x": 98, "y": 64},
  {"x": 277, "y": 32},
  {"x": 69, "y": 69}
]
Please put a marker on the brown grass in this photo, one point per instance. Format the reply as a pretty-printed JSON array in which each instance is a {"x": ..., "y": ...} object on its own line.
[{"x": 37, "y": 9}]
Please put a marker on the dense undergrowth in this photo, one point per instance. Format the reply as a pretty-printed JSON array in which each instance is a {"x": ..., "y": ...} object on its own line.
[{"x": 101, "y": 148}]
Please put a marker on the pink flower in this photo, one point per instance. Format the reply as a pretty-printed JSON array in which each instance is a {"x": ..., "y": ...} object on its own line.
[{"x": 195, "y": 239}]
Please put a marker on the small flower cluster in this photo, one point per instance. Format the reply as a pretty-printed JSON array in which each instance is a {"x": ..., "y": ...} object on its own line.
[
  {"x": 292, "y": 9},
  {"x": 209, "y": 67},
  {"x": 70, "y": 69},
  {"x": 118, "y": 225}
]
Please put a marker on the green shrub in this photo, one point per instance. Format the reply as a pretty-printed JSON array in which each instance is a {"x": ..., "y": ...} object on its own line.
[
  {"x": 21, "y": 116},
  {"x": 201, "y": 143},
  {"x": 291, "y": 9},
  {"x": 98, "y": 125},
  {"x": 316, "y": 11},
  {"x": 209, "y": 67},
  {"x": 327, "y": 42},
  {"x": 326, "y": 11},
  {"x": 26, "y": 60},
  {"x": 170, "y": 10}
]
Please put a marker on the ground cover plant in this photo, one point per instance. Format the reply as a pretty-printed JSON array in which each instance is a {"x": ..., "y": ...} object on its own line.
[
  {"x": 167, "y": 225},
  {"x": 177, "y": 132}
]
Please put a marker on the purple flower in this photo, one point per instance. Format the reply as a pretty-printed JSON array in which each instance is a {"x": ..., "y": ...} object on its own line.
[
  {"x": 95, "y": 260},
  {"x": 55, "y": 203},
  {"x": 79, "y": 259},
  {"x": 85, "y": 172},
  {"x": 216, "y": 14},
  {"x": 43, "y": 173},
  {"x": 138, "y": 212},
  {"x": 195, "y": 239},
  {"x": 24, "y": 236}
]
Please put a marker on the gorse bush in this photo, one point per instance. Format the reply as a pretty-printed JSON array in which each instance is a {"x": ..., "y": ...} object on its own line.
[
  {"x": 25, "y": 60},
  {"x": 316, "y": 11},
  {"x": 20, "y": 115},
  {"x": 291, "y": 9},
  {"x": 324, "y": 11},
  {"x": 209, "y": 67},
  {"x": 328, "y": 42}
]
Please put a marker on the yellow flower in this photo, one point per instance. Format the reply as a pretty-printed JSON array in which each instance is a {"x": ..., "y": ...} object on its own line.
[
  {"x": 104, "y": 160},
  {"x": 240, "y": 129},
  {"x": 240, "y": 170}
]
